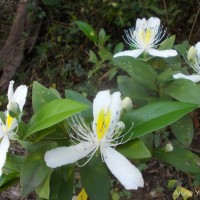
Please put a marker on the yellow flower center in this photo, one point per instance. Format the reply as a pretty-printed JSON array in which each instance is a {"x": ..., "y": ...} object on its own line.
[
  {"x": 145, "y": 36},
  {"x": 148, "y": 36},
  {"x": 9, "y": 121},
  {"x": 103, "y": 122}
]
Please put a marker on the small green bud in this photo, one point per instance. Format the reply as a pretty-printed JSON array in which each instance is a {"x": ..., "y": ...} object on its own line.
[{"x": 13, "y": 109}]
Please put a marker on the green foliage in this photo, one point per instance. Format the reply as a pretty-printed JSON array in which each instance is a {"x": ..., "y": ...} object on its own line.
[
  {"x": 135, "y": 149},
  {"x": 155, "y": 116},
  {"x": 181, "y": 158},
  {"x": 93, "y": 175}
]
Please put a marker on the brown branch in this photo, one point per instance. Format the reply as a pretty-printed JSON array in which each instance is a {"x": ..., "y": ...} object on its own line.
[{"x": 11, "y": 54}]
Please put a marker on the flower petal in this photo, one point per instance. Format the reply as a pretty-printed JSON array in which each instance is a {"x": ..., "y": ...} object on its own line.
[
  {"x": 101, "y": 102},
  {"x": 106, "y": 112},
  {"x": 133, "y": 53},
  {"x": 10, "y": 91},
  {"x": 153, "y": 23},
  {"x": 162, "y": 53},
  {"x": 19, "y": 96},
  {"x": 66, "y": 155},
  {"x": 122, "y": 169},
  {"x": 4, "y": 145},
  {"x": 197, "y": 46},
  {"x": 195, "y": 78},
  {"x": 115, "y": 108}
]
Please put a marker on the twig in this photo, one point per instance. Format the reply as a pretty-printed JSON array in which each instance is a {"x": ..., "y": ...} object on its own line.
[{"x": 194, "y": 23}]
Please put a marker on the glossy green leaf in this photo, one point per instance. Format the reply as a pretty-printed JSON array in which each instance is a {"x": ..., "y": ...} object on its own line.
[
  {"x": 134, "y": 149},
  {"x": 95, "y": 179},
  {"x": 183, "y": 130},
  {"x": 139, "y": 70},
  {"x": 33, "y": 172},
  {"x": 168, "y": 43},
  {"x": 183, "y": 90},
  {"x": 87, "y": 30},
  {"x": 155, "y": 116},
  {"x": 52, "y": 113},
  {"x": 180, "y": 158},
  {"x": 41, "y": 95}
]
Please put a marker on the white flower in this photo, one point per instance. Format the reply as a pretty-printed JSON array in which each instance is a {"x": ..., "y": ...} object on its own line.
[
  {"x": 145, "y": 37},
  {"x": 105, "y": 135},
  {"x": 7, "y": 128},
  {"x": 193, "y": 59}
]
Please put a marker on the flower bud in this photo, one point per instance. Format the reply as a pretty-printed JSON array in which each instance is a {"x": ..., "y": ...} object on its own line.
[
  {"x": 192, "y": 53},
  {"x": 168, "y": 147},
  {"x": 127, "y": 104}
]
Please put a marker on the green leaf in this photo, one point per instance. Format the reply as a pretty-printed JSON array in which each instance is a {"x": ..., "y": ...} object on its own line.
[
  {"x": 183, "y": 90},
  {"x": 32, "y": 147},
  {"x": 182, "y": 48},
  {"x": 171, "y": 183},
  {"x": 155, "y": 116},
  {"x": 140, "y": 71},
  {"x": 41, "y": 95},
  {"x": 119, "y": 47},
  {"x": 43, "y": 190},
  {"x": 52, "y": 113},
  {"x": 8, "y": 180},
  {"x": 168, "y": 43},
  {"x": 183, "y": 130},
  {"x": 93, "y": 175},
  {"x": 134, "y": 149},
  {"x": 70, "y": 94},
  {"x": 93, "y": 57},
  {"x": 33, "y": 172},
  {"x": 14, "y": 162},
  {"x": 87, "y": 30},
  {"x": 133, "y": 89},
  {"x": 180, "y": 158},
  {"x": 62, "y": 183}
]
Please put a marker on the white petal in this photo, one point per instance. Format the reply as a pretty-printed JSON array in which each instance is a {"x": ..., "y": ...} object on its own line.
[
  {"x": 19, "y": 96},
  {"x": 141, "y": 24},
  {"x": 10, "y": 91},
  {"x": 133, "y": 53},
  {"x": 162, "y": 53},
  {"x": 153, "y": 23},
  {"x": 197, "y": 46},
  {"x": 195, "y": 78},
  {"x": 4, "y": 145},
  {"x": 66, "y": 155},
  {"x": 122, "y": 169},
  {"x": 101, "y": 101},
  {"x": 115, "y": 108}
]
